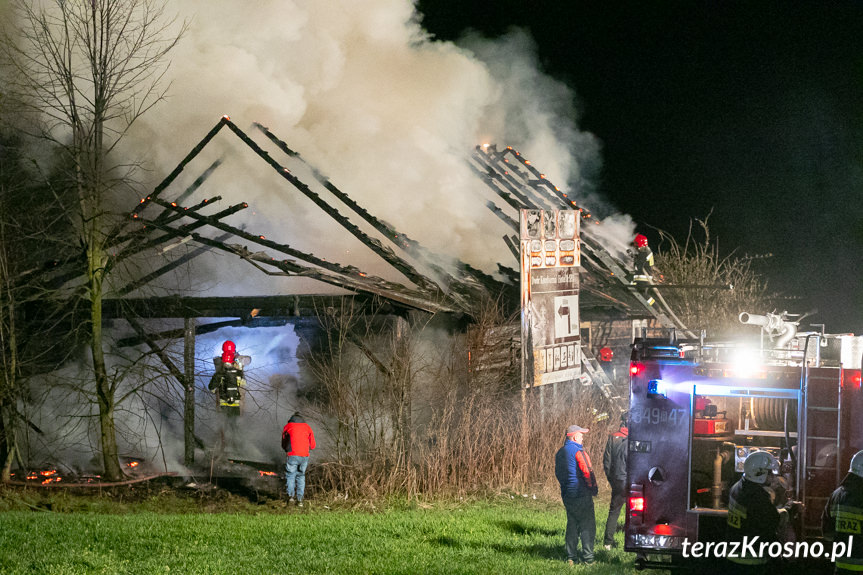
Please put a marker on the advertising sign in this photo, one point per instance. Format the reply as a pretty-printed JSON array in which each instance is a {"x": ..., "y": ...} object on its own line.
[{"x": 550, "y": 261}]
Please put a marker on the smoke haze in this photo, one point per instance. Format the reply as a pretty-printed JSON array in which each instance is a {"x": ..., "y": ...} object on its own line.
[{"x": 362, "y": 92}]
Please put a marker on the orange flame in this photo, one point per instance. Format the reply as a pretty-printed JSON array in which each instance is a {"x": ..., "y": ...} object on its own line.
[
  {"x": 266, "y": 473},
  {"x": 133, "y": 464}
]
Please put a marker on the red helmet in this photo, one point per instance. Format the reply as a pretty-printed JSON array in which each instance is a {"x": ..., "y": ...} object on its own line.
[
  {"x": 228, "y": 349},
  {"x": 640, "y": 241}
]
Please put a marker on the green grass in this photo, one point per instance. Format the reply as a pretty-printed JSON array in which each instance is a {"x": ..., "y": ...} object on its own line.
[{"x": 496, "y": 535}]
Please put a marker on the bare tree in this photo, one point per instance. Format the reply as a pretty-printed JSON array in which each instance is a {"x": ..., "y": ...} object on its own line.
[
  {"x": 89, "y": 70},
  {"x": 710, "y": 290}
]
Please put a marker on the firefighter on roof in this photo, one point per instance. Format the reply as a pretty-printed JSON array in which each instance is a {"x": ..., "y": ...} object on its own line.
[
  {"x": 843, "y": 517},
  {"x": 642, "y": 261},
  {"x": 751, "y": 513},
  {"x": 228, "y": 378}
]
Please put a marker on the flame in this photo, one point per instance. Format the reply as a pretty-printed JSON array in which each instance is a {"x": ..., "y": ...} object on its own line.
[
  {"x": 133, "y": 464},
  {"x": 267, "y": 473},
  {"x": 174, "y": 204},
  {"x": 226, "y": 117},
  {"x": 263, "y": 237}
]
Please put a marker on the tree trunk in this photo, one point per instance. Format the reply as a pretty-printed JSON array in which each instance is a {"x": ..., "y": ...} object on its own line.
[
  {"x": 189, "y": 399},
  {"x": 402, "y": 384},
  {"x": 104, "y": 390}
]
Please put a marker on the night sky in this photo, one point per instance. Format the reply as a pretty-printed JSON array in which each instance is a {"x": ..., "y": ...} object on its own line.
[{"x": 753, "y": 110}]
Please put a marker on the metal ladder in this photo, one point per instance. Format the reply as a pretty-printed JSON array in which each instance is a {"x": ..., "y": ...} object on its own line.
[
  {"x": 594, "y": 374},
  {"x": 818, "y": 407}
]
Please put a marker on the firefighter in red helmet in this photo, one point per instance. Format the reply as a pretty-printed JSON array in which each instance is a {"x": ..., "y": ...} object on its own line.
[
  {"x": 228, "y": 378},
  {"x": 642, "y": 261}
]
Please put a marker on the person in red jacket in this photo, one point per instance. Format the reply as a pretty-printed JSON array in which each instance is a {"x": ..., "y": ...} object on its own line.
[{"x": 297, "y": 440}]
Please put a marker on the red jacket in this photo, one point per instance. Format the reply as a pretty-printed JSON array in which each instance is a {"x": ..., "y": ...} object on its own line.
[{"x": 297, "y": 437}]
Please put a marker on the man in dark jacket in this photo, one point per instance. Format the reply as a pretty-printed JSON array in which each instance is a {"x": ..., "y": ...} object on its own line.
[
  {"x": 751, "y": 512},
  {"x": 843, "y": 517},
  {"x": 297, "y": 440},
  {"x": 577, "y": 488},
  {"x": 614, "y": 465}
]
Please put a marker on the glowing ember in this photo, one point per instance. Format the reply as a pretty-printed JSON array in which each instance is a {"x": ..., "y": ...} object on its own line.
[
  {"x": 133, "y": 464},
  {"x": 266, "y": 473}
]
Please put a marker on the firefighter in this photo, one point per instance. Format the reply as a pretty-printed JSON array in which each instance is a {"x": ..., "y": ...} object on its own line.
[
  {"x": 614, "y": 465},
  {"x": 642, "y": 261},
  {"x": 843, "y": 516},
  {"x": 751, "y": 512},
  {"x": 228, "y": 378}
]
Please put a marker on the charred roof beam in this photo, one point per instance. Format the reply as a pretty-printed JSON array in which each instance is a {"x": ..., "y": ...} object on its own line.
[{"x": 387, "y": 255}]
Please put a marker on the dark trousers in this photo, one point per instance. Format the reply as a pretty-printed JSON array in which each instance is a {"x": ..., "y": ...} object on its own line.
[
  {"x": 618, "y": 498},
  {"x": 580, "y": 524}
]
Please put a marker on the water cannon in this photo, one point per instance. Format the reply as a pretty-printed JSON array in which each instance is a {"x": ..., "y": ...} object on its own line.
[{"x": 775, "y": 325}]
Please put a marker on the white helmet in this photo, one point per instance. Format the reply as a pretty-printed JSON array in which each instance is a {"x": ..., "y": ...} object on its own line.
[
  {"x": 857, "y": 464},
  {"x": 759, "y": 464}
]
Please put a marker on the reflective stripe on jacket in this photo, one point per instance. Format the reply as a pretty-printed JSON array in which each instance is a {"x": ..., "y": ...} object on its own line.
[
  {"x": 751, "y": 514},
  {"x": 843, "y": 516}
]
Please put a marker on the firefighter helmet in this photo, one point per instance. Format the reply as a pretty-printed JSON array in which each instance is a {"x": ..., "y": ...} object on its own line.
[
  {"x": 640, "y": 241},
  {"x": 758, "y": 466},
  {"x": 228, "y": 350},
  {"x": 857, "y": 464}
]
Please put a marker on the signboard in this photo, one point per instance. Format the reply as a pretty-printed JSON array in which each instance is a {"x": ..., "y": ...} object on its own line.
[{"x": 550, "y": 261}]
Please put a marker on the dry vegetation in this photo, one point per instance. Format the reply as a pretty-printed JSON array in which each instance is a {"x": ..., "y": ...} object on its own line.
[
  {"x": 410, "y": 416},
  {"x": 711, "y": 306}
]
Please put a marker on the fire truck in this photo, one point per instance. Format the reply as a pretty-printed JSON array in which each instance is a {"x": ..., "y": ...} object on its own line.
[{"x": 698, "y": 408}]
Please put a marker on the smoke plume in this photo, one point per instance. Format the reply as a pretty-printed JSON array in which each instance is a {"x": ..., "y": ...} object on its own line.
[{"x": 362, "y": 92}]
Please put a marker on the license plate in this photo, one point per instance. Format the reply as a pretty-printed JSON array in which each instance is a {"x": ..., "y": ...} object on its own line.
[{"x": 658, "y": 558}]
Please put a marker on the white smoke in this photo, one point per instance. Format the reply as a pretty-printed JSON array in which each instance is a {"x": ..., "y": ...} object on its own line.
[
  {"x": 390, "y": 115},
  {"x": 359, "y": 89}
]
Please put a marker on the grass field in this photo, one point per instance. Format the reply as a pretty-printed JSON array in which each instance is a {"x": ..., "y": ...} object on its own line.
[{"x": 501, "y": 534}]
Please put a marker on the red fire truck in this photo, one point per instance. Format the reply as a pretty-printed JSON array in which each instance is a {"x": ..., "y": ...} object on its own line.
[{"x": 698, "y": 408}]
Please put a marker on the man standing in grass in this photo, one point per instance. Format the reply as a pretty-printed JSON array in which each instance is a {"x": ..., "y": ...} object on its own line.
[
  {"x": 614, "y": 465},
  {"x": 577, "y": 488},
  {"x": 297, "y": 440}
]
